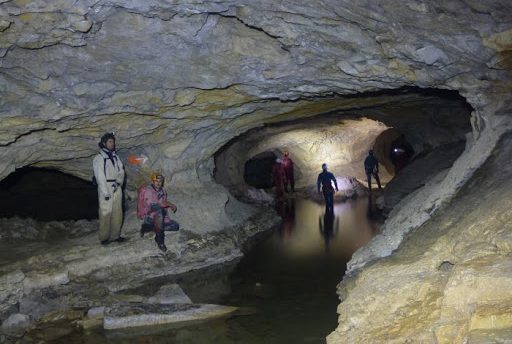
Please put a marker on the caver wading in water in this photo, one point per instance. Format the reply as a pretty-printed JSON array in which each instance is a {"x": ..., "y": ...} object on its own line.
[
  {"x": 287, "y": 163},
  {"x": 325, "y": 181},
  {"x": 109, "y": 174},
  {"x": 279, "y": 178},
  {"x": 152, "y": 210},
  {"x": 400, "y": 153},
  {"x": 371, "y": 167}
]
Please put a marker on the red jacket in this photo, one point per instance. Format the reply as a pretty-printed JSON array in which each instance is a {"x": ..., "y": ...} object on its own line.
[
  {"x": 149, "y": 195},
  {"x": 278, "y": 174},
  {"x": 288, "y": 166}
]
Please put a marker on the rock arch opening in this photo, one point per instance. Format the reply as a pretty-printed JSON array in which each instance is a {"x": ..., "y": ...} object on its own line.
[
  {"x": 402, "y": 126},
  {"x": 393, "y": 150},
  {"x": 47, "y": 195}
]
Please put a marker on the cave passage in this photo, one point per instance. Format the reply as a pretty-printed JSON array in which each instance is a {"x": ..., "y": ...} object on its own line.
[
  {"x": 400, "y": 126},
  {"x": 47, "y": 195},
  {"x": 285, "y": 284}
]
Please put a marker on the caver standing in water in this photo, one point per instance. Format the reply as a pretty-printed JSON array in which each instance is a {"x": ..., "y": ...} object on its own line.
[
  {"x": 325, "y": 181},
  {"x": 279, "y": 178},
  {"x": 152, "y": 210},
  {"x": 109, "y": 175},
  {"x": 371, "y": 167},
  {"x": 400, "y": 153},
  {"x": 288, "y": 171}
]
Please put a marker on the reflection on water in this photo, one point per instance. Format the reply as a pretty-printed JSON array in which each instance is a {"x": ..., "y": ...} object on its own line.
[
  {"x": 286, "y": 283},
  {"x": 327, "y": 227},
  {"x": 308, "y": 229}
]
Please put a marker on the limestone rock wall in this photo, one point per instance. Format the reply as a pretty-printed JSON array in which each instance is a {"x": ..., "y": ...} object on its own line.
[
  {"x": 449, "y": 282},
  {"x": 177, "y": 80}
]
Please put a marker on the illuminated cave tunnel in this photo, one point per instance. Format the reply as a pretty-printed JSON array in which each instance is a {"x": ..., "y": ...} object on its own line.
[{"x": 429, "y": 123}]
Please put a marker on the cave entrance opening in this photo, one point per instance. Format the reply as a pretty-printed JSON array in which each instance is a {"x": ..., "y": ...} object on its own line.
[
  {"x": 41, "y": 210},
  {"x": 47, "y": 195}
]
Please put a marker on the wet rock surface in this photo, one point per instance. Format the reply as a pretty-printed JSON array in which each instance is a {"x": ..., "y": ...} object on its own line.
[
  {"x": 449, "y": 282},
  {"x": 16, "y": 230},
  {"x": 134, "y": 315},
  {"x": 83, "y": 275},
  {"x": 432, "y": 165}
]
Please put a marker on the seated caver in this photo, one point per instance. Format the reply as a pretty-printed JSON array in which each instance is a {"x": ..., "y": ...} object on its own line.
[{"x": 152, "y": 210}]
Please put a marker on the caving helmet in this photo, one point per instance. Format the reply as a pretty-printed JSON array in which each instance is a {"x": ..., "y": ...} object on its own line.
[
  {"x": 157, "y": 175},
  {"x": 105, "y": 138}
]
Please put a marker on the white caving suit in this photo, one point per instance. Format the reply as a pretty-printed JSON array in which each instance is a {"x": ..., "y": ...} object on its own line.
[{"x": 109, "y": 175}]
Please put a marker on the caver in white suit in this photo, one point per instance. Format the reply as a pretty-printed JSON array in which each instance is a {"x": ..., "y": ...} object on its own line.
[{"x": 109, "y": 174}]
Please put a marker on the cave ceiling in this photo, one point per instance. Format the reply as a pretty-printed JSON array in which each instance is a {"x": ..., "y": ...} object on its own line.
[{"x": 176, "y": 80}]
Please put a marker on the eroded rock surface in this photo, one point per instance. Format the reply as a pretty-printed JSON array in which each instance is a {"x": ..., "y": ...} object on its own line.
[
  {"x": 81, "y": 274},
  {"x": 178, "y": 80},
  {"x": 449, "y": 282}
]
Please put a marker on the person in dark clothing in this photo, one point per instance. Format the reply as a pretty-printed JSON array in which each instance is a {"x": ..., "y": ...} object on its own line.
[
  {"x": 400, "y": 153},
  {"x": 152, "y": 210},
  {"x": 371, "y": 167},
  {"x": 288, "y": 170},
  {"x": 325, "y": 180}
]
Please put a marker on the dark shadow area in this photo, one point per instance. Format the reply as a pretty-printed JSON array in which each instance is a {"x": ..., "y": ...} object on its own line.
[
  {"x": 258, "y": 170},
  {"x": 47, "y": 195},
  {"x": 393, "y": 150},
  {"x": 449, "y": 96}
]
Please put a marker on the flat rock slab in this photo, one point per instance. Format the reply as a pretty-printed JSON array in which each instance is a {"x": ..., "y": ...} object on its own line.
[{"x": 134, "y": 315}]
